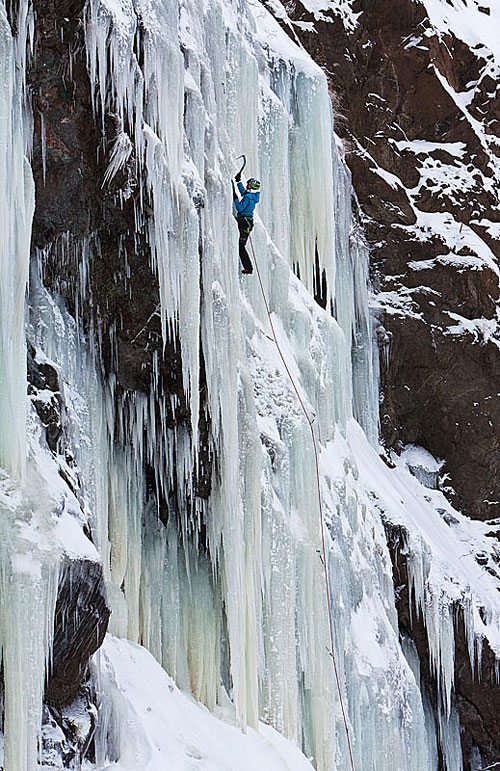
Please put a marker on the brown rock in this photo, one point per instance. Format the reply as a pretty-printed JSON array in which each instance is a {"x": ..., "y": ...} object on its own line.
[
  {"x": 389, "y": 77},
  {"x": 80, "y": 623},
  {"x": 476, "y": 694}
]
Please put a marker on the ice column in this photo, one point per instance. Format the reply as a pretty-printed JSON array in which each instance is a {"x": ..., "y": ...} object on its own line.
[
  {"x": 16, "y": 212},
  {"x": 249, "y": 616},
  {"x": 28, "y": 584},
  {"x": 148, "y": 105}
]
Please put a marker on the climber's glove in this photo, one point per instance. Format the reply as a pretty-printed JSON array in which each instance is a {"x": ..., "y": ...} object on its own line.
[{"x": 238, "y": 177}]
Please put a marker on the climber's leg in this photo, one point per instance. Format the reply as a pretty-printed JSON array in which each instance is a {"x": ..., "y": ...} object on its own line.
[{"x": 245, "y": 225}]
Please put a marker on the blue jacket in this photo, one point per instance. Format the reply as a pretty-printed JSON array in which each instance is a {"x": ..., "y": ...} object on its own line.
[{"x": 246, "y": 205}]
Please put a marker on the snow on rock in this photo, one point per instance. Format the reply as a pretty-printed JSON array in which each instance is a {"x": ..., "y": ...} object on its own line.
[
  {"x": 228, "y": 594},
  {"x": 443, "y": 540},
  {"x": 422, "y": 465},
  {"x": 341, "y": 8},
  {"x": 472, "y": 21}
]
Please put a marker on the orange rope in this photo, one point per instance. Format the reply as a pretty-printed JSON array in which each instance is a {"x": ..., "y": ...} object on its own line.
[{"x": 316, "y": 460}]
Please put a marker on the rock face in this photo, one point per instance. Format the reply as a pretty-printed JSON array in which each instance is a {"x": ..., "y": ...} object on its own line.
[
  {"x": 418, "y": 105},
  {"x": 475, "y": 693},
  {"x": 43, "y": 381},
  {"x": 80, "y": 623},
  {"x": 417, "y": 100}
]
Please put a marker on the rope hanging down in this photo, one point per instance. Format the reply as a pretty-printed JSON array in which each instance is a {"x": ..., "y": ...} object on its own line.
[{"x": 323, "y": 546}]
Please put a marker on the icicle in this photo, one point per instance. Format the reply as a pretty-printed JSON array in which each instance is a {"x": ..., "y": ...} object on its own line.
[
  {"x": 43, "y": 142},
  {"x": 248, "y": 619},
  {"x": 275, "y": 640},
  {"x": 28, "y": 582},
  {"x": 449, "y": 739},
  {"x": 16, "y": 212}
]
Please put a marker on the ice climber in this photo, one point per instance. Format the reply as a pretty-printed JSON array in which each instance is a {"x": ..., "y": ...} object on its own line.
[{"x": 244, "y": 215}]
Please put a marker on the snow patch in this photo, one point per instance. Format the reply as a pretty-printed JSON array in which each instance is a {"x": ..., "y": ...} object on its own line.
[{"x": 156, "y": 725}]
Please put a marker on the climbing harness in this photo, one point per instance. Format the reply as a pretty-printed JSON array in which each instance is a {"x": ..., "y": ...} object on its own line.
[{"x": 322, "y": 554}]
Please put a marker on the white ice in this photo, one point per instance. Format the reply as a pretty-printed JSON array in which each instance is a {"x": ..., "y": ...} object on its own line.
[
  {"x": 244, "y": 627},
  {"x": 153, "y": 723}
]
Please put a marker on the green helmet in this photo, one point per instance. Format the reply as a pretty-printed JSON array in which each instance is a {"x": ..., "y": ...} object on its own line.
[{"x": 253, "y": 184}]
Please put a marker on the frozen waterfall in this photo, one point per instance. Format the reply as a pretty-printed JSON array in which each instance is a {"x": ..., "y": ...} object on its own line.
[
  {"x": 249, "y": 619},
  {"x": 229, "y": 597}
]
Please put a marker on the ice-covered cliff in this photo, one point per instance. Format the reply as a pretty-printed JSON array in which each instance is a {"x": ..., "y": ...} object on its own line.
[
  {"x": 163, "y": 447},
  {"x": 416, "y": 88}
]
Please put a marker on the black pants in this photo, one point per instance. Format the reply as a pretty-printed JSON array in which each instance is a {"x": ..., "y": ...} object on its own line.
[{"x": 245, "y": 226}]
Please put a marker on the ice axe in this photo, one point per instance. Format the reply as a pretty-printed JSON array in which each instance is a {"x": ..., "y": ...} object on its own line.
[{"x": 238, "y": 175}]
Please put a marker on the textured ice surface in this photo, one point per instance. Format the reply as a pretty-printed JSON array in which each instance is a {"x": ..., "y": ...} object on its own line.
[
  {"x": 244, "y": 628},
  {"x": 251, "y": 621},
  {"x": 41, "y": 521},
  {"x": 27, "y": 575},
  {"x": 16, "y": 212}
]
